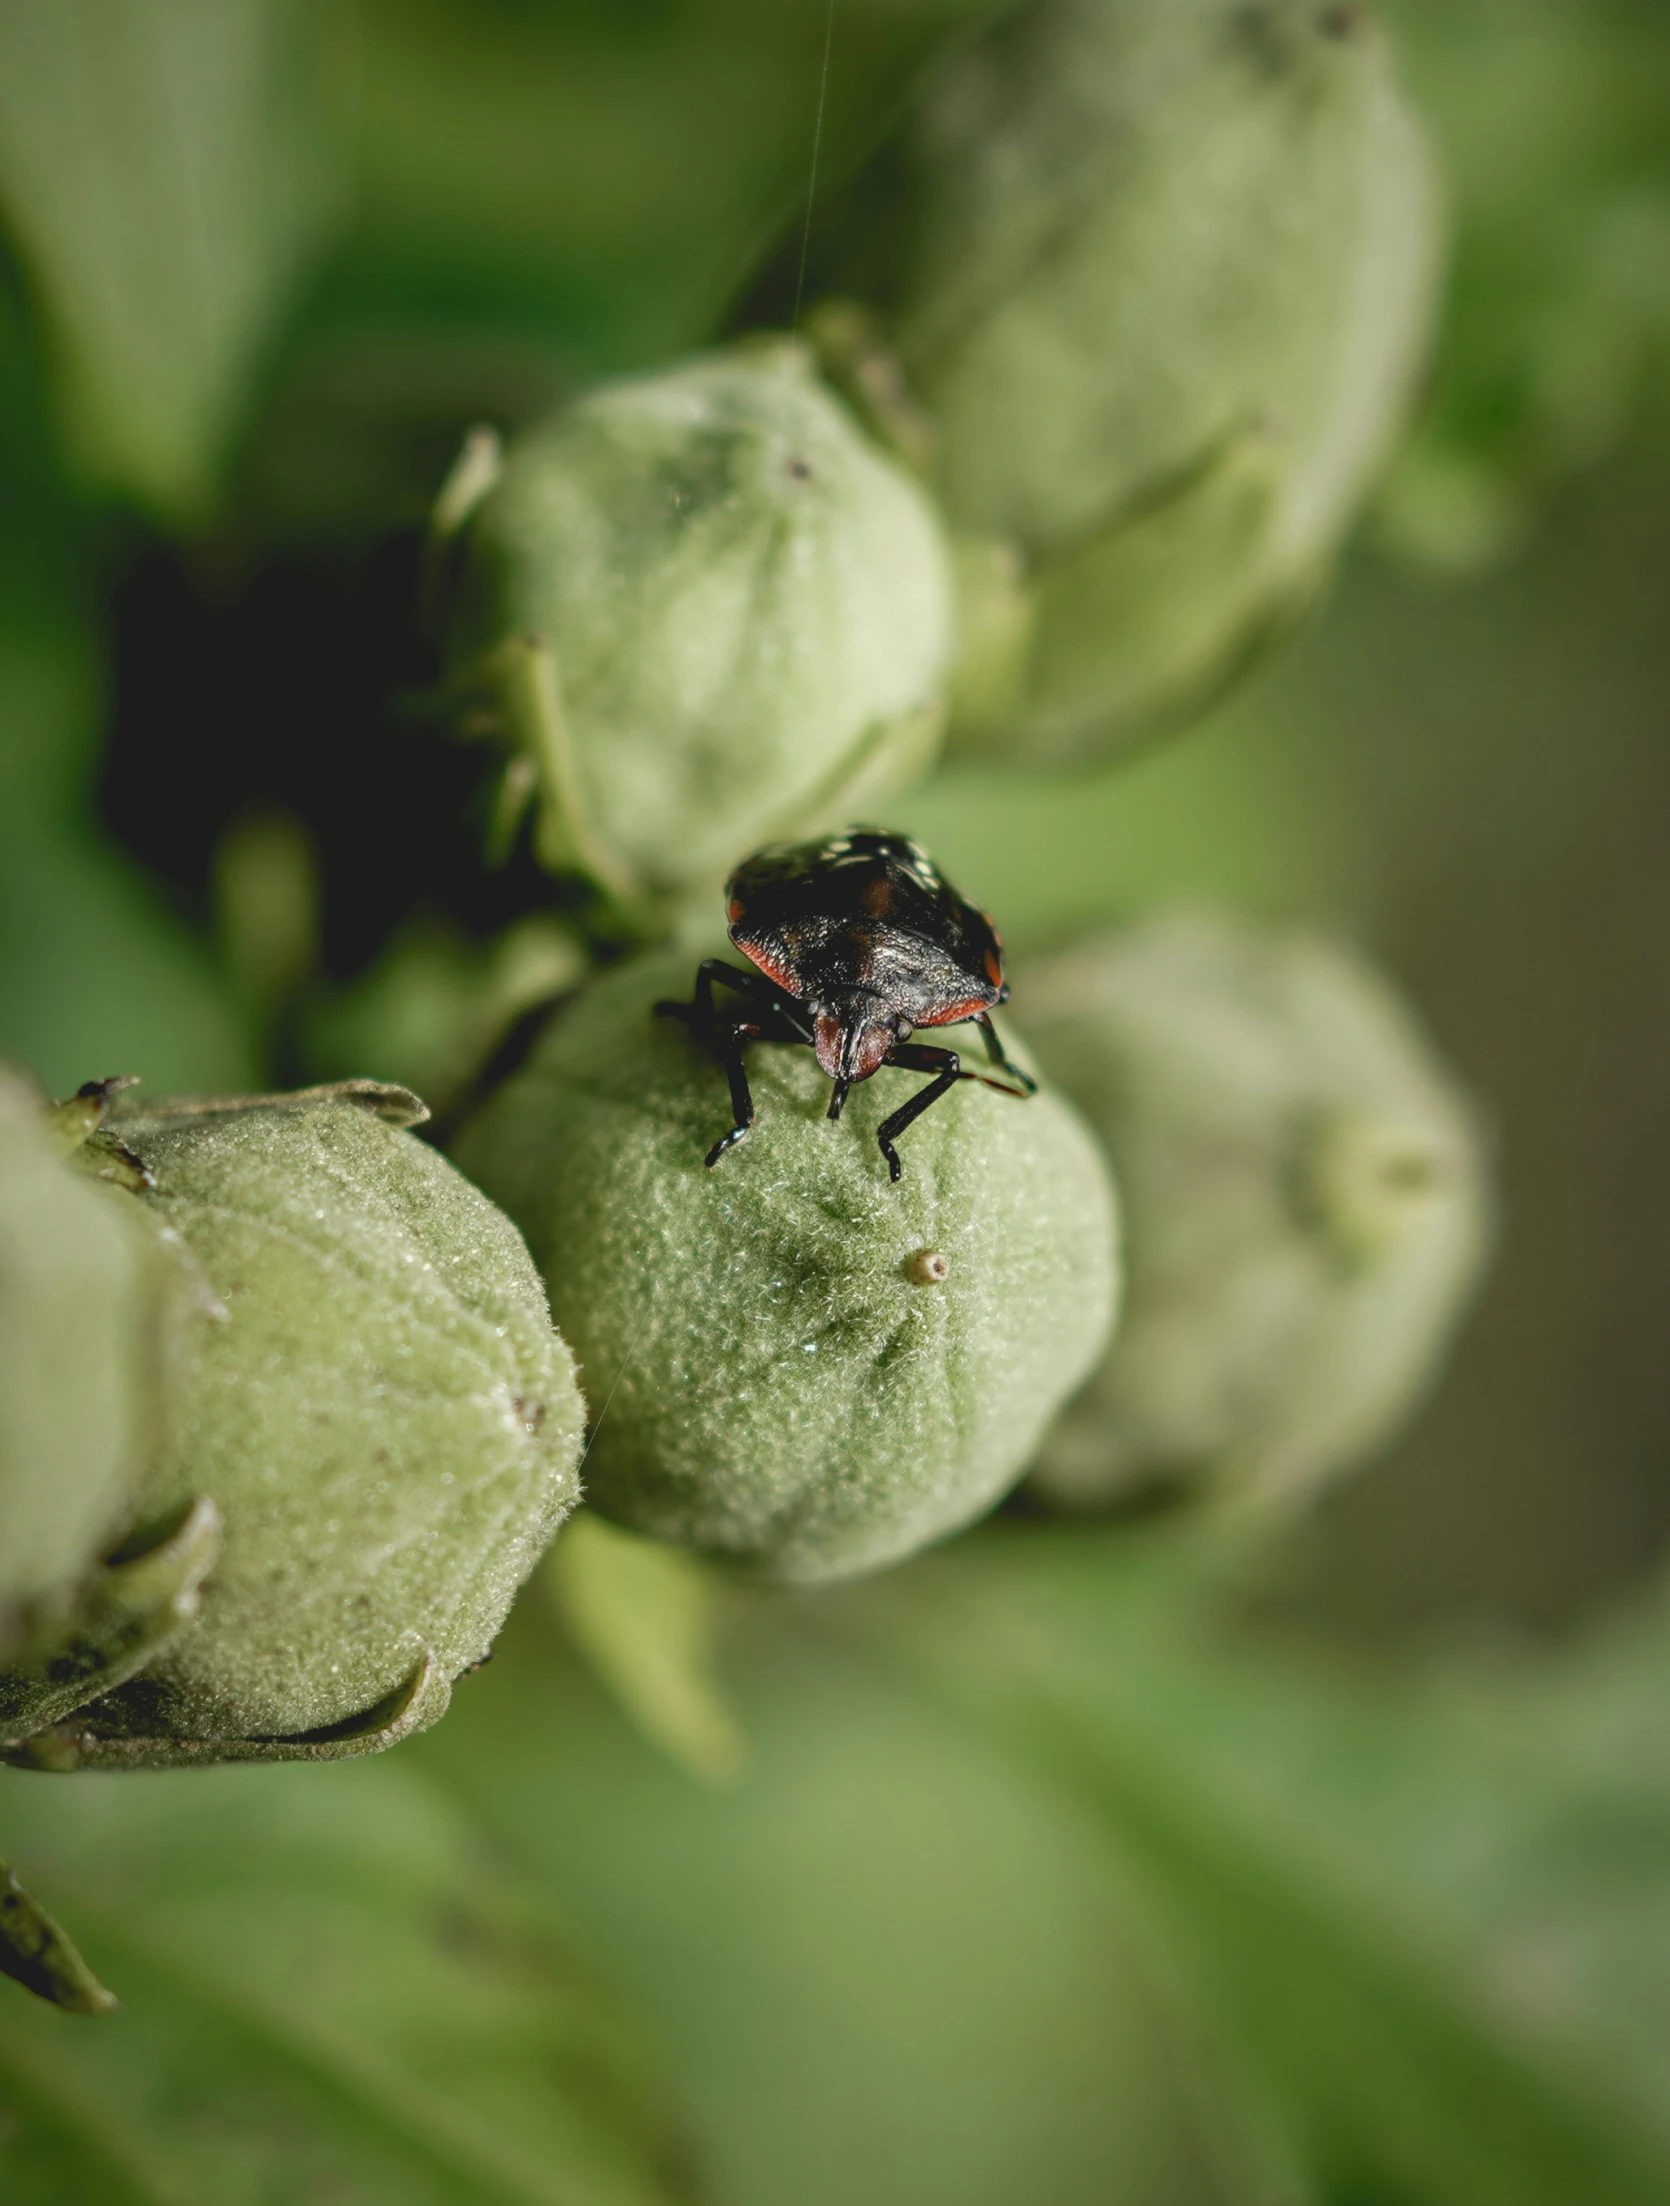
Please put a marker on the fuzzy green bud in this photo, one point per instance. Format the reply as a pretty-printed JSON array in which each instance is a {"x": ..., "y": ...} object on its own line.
[
  {"x": 382, "y": 1416},
  {"x": 1173, "y": 276},
  {"x": 1305, "y": 1202},
  {"x": 705, "y": 611},
  {"x": 798, "y": 1365}
]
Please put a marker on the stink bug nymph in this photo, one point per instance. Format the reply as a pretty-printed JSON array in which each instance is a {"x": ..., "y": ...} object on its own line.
[{"x": 855, "y": 942}]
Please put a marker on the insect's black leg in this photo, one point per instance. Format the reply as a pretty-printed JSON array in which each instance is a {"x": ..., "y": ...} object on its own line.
[
  {"x": 924, "y": 1057},
  {"x": 765, "y": 1014},
  {"x": 702, "y": 1011},
  {"x": 742, "y": 1102},
  {"x": 772, "y": 1014},
  {"x": 994, "y": 1050},
  {"x": 917, "y": 1057}
]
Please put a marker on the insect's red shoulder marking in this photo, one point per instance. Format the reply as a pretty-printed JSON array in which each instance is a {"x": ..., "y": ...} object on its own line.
[
  {"x": 948, "y": 1014},
  {"x": 771, "y": 967}
]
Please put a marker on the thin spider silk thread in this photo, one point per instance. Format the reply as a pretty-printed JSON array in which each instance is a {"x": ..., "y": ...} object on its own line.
[
  {"x": 812, "y": 179},
  {"x": 614, "y": 1389}
]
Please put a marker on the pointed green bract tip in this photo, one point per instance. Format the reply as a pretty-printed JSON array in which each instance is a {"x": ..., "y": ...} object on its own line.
[{"x": 795, "y": 1363}]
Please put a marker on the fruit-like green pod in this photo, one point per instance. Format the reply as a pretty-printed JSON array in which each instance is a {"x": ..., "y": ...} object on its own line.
[
  {"x": 77, "y": 1309},
  {"x": 706, "y": 611},
  {"x": 383, "y": 1417},
  {"x": 796, "y": 1364},
  {"x": 1173, "y": 276},
  {"x": 1305, "y": 1202}
]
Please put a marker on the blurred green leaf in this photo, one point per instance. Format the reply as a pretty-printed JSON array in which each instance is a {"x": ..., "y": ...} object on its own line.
[
  {"x": 38, "y": 521},
  {"x": 1382, "y": 1934},
  {"x": 886, "y": 1966},
  {"x": 98, "y": 978},
  {"x": 1357, "y": 1878},
  {"x": 164, "y": 183},
  {"x": 606, "y": 173},
  {"x": 1550, "y": 117},
  {"x": 330, "y": 1991},
  {"x": 51, "y": 699}
]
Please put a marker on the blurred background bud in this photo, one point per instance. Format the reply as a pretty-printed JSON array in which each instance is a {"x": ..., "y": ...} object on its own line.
[
  {"x": 383, "y": 1415},
  {"x": 432, "y": 1009},
  {"x": 797, "y": 1364},
  {"x": 266, "y": 899},
  {"x": 703, "y": 611},
  {"x": 1172, "y": 279},
  {"x": 1305, "y": 1198}
]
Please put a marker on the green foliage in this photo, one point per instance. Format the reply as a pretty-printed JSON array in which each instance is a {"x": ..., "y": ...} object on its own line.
[
  {"x": 595, "y": 176},
  {"x": 1550, "y": 118},
  {"x": 1038, "y": 1871},
  {"x": 158, "y": 171},
  {"x": 331, "y": 1987},
  {"x": 1384, "y": 2027},
  {"x": 774, "y": 1378},
  {"x": 97, "y": 975},
  {"x": 76, "y": 1341},
  {"x": 1338, "y": 1935}
]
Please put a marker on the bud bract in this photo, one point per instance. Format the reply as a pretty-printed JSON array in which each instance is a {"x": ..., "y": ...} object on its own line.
[
  {"x": 797, "y": 1364},
  {"x": 705, "y": 611},
  {"x": 1305, "y": 1205}
]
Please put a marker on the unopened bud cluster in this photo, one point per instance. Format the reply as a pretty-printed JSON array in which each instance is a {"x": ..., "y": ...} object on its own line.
[{"x": 284, "y": 1415}]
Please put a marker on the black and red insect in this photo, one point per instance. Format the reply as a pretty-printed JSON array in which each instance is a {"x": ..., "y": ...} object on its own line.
[{"x": 855, "y": 942}]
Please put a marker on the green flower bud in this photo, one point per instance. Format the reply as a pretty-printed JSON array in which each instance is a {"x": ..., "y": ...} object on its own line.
[
  {"x": 707, "y": 612},
  {"x": 1173, "y": 275},
  {"x": 1305, "y": 1199},
  {"x": 85, "y": 1293},
  {"x": 383, "y": 1417},
  {"x": 798, "y": 1365}
]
